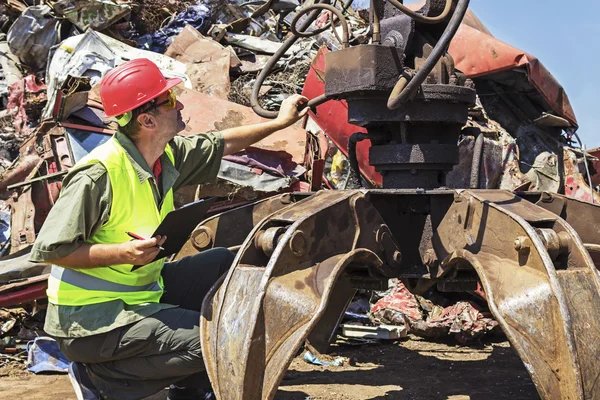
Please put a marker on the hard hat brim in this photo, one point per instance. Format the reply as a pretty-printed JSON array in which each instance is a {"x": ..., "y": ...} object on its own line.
[{"x": 170, "y": 83}]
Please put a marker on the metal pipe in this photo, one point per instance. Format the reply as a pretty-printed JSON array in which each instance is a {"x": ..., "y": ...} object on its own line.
[
  {"x": 595, "y": 248},
  {"x": 437, "y": 52},
  {"x": 258, "y": 109},
  {"x": 376, "y": 23},
  {"x": 58, "y": 174},
  {"x": 399, "y": 86},
  {"x": 475, "y": 164},
  {"x": 422, "y": 18},
  {"x": 587, "y": 168},
  {"x": 353, "y": 181}
]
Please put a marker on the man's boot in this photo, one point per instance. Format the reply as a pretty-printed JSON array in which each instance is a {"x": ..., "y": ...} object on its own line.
[{"x": 82, "y": 384}]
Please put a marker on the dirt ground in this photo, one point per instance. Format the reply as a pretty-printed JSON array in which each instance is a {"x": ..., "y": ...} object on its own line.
[{"x": 411, "y": 369}]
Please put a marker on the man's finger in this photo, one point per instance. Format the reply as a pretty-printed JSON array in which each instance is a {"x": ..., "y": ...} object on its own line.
[
  {"x": 144, "y": 244},
  {"x": 303, "y": 112},
  {"x": 301, "y": 107}
]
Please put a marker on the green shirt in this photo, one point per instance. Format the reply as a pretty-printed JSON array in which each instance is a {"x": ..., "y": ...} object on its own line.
[{"x": 84, "y": 205}]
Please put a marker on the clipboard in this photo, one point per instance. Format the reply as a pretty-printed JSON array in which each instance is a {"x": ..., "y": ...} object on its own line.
[{"x": 178, "y": 226}]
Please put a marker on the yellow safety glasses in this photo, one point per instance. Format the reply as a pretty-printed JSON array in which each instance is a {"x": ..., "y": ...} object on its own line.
[{"x": 170, "y": 102}]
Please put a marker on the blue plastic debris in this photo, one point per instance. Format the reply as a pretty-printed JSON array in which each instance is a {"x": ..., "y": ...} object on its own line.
[
  {"x": 197, "y": 16},
  {"x": 4, "y": 231},
  {"x": 43, "y": 355},
  {"x": 312, "y": 359}
]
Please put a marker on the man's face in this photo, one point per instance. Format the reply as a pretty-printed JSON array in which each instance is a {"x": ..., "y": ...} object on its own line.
[{"x": 168, "y": 115}]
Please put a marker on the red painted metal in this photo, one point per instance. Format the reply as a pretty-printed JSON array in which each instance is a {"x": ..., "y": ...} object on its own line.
[
  {"x": 596, "y": 163},
  {"x": 576, "y": 183},
  {"x": 332, "y": 118},
  {"x": 493, "y": 55},
  {"x": 87, "y": 128},
  {"x": 26, "y": 295},
  {"x": 477, "y": 53}
]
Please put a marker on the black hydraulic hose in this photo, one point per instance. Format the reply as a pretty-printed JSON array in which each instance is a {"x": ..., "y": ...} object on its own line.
[
  {"x": 475, "y": 165},
  {"x": 328, "y": 7},
  {"x": 271, "y": 63},
  {"x": 437, "y": 52},
  {"x": 353, "y": 181},
  {"x": 327, "y": 26}
]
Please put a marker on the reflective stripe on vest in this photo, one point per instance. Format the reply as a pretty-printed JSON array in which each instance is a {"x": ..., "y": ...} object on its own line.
[
  {"x": 133, "y": 209},
  {"x": 76, "y": 278}
]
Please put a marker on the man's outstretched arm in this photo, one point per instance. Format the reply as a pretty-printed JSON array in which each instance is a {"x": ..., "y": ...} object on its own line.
[{"x": 239, "y": 138}]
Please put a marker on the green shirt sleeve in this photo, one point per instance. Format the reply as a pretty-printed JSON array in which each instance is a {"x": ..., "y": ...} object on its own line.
[
  {"x": 81, "y": 209},
  {"x": 197, "y": 158}
]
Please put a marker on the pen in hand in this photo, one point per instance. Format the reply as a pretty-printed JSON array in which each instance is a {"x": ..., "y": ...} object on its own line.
[{"x": 138, "y": 237}]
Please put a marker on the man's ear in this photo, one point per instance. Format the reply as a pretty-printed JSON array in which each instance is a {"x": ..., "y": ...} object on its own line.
[{"x": 147, "y": 120}]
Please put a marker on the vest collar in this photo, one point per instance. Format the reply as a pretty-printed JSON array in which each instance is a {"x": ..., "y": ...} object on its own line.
[{"x": 142, "y": 170}]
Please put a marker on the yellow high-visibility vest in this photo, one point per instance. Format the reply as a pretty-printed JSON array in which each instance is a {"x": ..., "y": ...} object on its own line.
[{"x": 133, "y": 209}]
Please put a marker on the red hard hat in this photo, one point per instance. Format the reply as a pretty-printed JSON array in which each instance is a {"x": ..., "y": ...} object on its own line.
[{"x": 132, "y": 84}]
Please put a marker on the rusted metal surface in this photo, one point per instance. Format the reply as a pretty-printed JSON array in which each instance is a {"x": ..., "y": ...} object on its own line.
[
  {"x": 583, "y": 216},
  {"x": 29, "y": 97},
  {"x": 540, "y": 281},
  {"x": 596, "y": 163},
  {"x": 229, "y": 229},
  {"x": 533, "y": 267},
  {"x": 255, "y": 322},
  {"x": 576, "y": 184},
  {"x": 22, "y": 221},
  {"x": 207, "y": 62},
  {"x": 203, "y": 113}
]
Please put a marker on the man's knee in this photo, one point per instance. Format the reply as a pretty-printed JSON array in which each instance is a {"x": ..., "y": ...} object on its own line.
[
  {"x": 222, "y": 257},
  {"x": 193, "y": 354}
]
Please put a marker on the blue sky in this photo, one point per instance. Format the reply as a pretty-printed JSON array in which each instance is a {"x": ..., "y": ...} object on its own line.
[{"x": 564, "y": 36}]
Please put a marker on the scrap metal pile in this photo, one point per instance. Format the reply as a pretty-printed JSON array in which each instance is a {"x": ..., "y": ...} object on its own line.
[{"x": 512, "y": 120}]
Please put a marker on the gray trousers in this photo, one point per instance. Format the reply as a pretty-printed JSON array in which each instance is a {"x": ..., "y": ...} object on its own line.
[{"x": 140, "y": 359}]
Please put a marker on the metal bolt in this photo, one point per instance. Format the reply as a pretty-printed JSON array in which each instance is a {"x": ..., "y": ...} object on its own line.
[
  {"x": 522, "y": 243},
  {"x": 298, "y": 243},
  {"x": 267, "y": 240},
  {"x": 202, "y": 238}
]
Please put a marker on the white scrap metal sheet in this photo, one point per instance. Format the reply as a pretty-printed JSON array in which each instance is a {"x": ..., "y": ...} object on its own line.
[{"x": 92, "y": 54}]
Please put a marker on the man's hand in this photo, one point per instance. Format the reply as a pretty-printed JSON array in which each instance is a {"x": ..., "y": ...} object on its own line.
[
  {"x": 290, "y": 110},
  {"x": 240, "y": 137},
  {"x": 141, "y": 252}
]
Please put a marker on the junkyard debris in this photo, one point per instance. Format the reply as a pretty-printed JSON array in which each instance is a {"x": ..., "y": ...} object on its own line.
[{"x": 219, "y": 48}]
